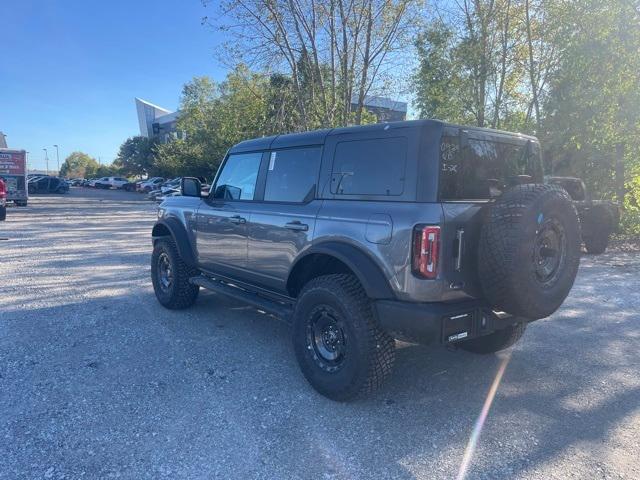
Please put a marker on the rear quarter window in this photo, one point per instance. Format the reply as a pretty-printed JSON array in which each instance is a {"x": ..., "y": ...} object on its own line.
[{"x": 370, "y": 167}]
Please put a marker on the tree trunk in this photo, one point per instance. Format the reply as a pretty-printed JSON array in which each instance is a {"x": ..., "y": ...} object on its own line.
[{"x": 620, "y": 187}]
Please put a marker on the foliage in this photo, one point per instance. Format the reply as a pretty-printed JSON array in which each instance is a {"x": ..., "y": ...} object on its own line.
[
  {"x": 593, "y": 107},
  {"x": 79, "y": 165},
  {"x": 472, "y": 64},
  {"x": 213, "y": 117},
  {"x": 440, "y": 89},
  {"x": 567, "y": 71},
  {"x": 333, "y": 52},
  {"x": 136, "y": 157}
]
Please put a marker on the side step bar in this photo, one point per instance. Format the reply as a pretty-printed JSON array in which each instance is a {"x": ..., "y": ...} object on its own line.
[{"x": 283, "y": 309}]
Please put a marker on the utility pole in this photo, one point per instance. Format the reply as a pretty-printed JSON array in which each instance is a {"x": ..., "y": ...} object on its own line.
[
  {"x": 58, "y": 158},
  {"x": 46, "y": 159}
]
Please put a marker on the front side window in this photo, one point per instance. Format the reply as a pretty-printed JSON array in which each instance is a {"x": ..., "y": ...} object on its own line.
[
  {"x": 370, "y": 167},
  {"x": 292, "y": 174},
  {"x": 237, "y": 180}
]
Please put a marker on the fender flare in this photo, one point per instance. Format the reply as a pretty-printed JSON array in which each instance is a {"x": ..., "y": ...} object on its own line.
[
  {"x": 368, "y": 272},
  {"x": 179, "y": 235}
]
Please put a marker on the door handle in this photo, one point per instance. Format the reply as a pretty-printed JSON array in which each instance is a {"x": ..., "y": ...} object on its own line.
[
  {"x": 302, "y": 227},
  {"x": 237, "y": 219}
]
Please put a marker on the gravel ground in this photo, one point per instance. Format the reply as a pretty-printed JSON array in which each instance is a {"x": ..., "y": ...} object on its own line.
[{"x": 98, "y": 381}]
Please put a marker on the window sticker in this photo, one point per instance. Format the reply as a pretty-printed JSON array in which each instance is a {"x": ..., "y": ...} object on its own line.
[{"x": 272, "y": 161}]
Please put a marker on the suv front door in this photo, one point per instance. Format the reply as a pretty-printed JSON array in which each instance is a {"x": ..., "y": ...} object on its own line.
[
  {"x": 282, "y": 223},
  {"x": 221, "y": 220}
]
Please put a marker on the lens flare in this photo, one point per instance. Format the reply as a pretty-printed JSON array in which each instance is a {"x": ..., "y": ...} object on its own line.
[{"x": 477, "y": 428}]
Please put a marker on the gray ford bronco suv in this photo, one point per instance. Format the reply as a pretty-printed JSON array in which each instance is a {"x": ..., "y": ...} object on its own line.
[{"x": 420, "y": 231}]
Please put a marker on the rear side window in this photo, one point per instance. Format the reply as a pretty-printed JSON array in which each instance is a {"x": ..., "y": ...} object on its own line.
[
  {"x": 369, "y": 167},
  {"x": 237, "y": 180},
  {"x": 483, "y": 170},
  {"x": 292, "y": 174}
]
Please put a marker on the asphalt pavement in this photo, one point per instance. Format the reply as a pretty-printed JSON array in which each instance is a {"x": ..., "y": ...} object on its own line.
[{"x": 97, "y": 380}]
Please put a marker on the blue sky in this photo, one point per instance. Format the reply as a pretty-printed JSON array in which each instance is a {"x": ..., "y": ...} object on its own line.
[{"x": 70, "y": 69}]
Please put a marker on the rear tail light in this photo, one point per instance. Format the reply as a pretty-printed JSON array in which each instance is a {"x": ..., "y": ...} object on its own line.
[{"x": 426, "y": 248}]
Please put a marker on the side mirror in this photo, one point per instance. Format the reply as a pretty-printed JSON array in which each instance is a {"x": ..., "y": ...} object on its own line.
[{"x": 190, "y": 187}]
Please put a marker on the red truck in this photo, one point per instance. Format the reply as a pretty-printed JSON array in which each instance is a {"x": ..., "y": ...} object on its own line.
[{"x": 13, "y": 169}]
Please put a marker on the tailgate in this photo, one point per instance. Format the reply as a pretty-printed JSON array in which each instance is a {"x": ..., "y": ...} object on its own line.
[{"x": 460, "y": 237}]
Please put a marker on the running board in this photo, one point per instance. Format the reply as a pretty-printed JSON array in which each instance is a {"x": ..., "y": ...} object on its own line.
[{"x": 281, "y": 309}]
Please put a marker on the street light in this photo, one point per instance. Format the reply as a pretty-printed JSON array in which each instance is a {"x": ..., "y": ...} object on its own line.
[
  {"x": 46, "y": 158},
  {"x": 58, "y": 158}
]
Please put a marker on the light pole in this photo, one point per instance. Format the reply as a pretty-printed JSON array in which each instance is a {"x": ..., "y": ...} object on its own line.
[
  {"x": 46, "y": 159},
  {"x": 58, "y": 158}
]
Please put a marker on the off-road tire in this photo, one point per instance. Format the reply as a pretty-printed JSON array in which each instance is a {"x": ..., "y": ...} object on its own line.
[
  {"x": 3, "y": 213},
  {"x": 508, "y": 264},
  {"x": 369, "y": 351},
  {"x": 181, "y": 293},
  {"x": 600, "y": 226},
  {"x": 496, "y": 341}
]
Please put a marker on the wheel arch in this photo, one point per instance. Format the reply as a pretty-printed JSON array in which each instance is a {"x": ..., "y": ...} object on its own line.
[
  {"x": 337, "y": 257},
  {"x": 172, "y": 227}
]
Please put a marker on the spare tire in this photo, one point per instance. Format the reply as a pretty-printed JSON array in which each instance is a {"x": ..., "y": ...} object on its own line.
[{"x": 529, "y": 250}]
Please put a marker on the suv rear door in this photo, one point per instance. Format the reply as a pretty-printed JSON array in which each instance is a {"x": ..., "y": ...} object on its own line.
[
  {"x": 221, "y": 220},
  {"x": 475, "y": 168},
  {"x": 283, "y": 220}
]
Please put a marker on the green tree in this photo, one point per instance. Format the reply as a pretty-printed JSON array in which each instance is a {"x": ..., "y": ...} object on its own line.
[
  {"x": 471, "y": 64},
  {"x": 136, "y": 157},
  {"x": 106, "y": 171},
  {"x": 335, "y": 53},
  {"x": 592, "y": 113},
  {"x": 79, "y": 165},
  {"x": 213, "y": 117},
  {"x": 440, "y": 90}
]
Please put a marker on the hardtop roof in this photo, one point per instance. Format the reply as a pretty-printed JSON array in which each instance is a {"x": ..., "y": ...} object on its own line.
[{"x": 318, "y": 137}]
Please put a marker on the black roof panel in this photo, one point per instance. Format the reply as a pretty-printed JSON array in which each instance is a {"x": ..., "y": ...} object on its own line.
[
  {"x": 252, "y": 145},
  {"x": 317, "y": 137}
]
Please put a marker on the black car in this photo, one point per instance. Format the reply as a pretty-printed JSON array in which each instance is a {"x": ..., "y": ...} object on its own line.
[{"x": 48, "y": 185}]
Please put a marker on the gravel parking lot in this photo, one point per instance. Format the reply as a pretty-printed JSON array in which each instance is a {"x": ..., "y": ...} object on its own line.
[{"x": 98, "y": 381}]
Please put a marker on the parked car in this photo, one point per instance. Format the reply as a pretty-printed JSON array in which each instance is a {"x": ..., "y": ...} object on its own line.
[
  {"x": 47, "y": 185},
  {"x": 169, "y": 186},
  {"x": 598, "y": 218},
  {"x": 112, "y": 182},
  {"x": 102, "y": 183},
  {"x": 172, "y": 192},
  {"x": 151, "y": 184},
  {"x": 422, "y": 231}
]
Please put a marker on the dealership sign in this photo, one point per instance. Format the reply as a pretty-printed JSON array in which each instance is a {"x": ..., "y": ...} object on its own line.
[{"x": 12, "y": 162}]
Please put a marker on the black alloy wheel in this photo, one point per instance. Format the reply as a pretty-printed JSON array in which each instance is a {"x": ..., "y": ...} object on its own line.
[
  {"x": 326, "y": 338},
  {"x": 550, "y": 249}
]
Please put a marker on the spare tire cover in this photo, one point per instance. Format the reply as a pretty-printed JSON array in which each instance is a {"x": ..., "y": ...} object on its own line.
[{"x": 529, "y": 250}]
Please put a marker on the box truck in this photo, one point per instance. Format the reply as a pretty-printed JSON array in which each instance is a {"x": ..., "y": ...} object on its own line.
[{"x": 13, "y": 169}]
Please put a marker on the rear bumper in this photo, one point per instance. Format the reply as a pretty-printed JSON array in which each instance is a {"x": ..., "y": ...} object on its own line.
[{"x": 444, "y": 323}]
